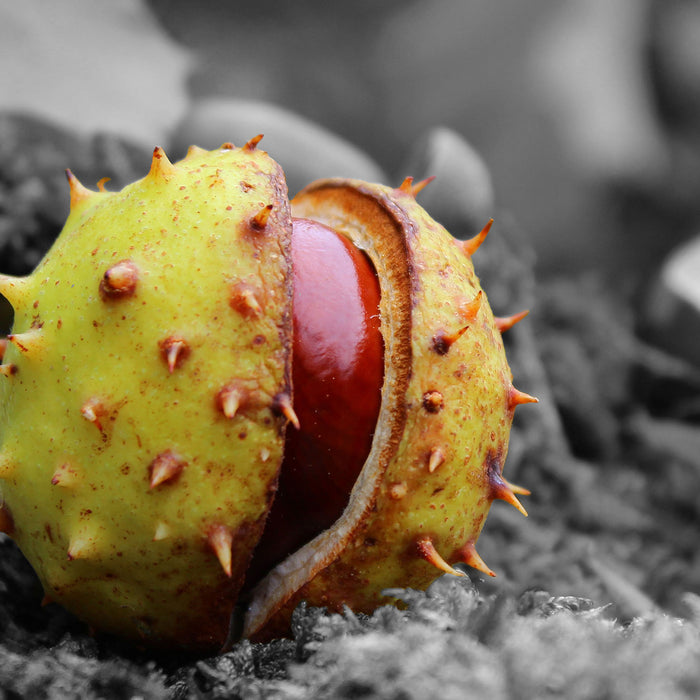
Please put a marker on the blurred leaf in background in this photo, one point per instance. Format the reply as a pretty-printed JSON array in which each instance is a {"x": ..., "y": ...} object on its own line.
[{"x": 92, "y": 67}]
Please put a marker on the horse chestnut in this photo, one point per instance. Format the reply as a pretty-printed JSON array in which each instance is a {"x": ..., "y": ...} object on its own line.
[{"x": 214, "y": 397}]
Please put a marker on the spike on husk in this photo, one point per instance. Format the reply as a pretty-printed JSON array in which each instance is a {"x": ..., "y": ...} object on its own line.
[
  {"x": 30, "y": 342},
  {"x": 93, "y": 410},
  {"x": 244, "y": 299},
  {"x": 220, "y": 540},
  {"x": 435, "y": 459},
  {"x": 398, "y": 491},
  {"x": 504, "y": 323},
  {"x": 468, "y": 554},
  {"x": 102, "y": 182},
  {"x": 78, "y": 192},
  {"x": 426, "y": 549},
  {"x": 407, "y": 185},
  {"x": 259, "y": 221},
  {"x": 442, "y": 342},
  {"x": 119, "y": 281},
  {"x": 166, "y": 467},
  {"x": 517, "y": 397},
  {"x": 470, "y": 309},
  {"x": 283, "y": 404},
  {"x": 65, "y": 475},
  {"x": 502, "y": 490},
  {"x": 174, "y": 350},
  {"x": 252, "y": 144},
  {"x": 520, "y": 490},
  {"x": 83, "y": 544},
  {"x": 161, "y": 167},
  {"x": 471, "y": 245},
  {"x": 162, "y": 531},
  {"x": 433, "y": 401},
  {"x": 230, "y": 399},
  {"x": 419, "y": 186}
]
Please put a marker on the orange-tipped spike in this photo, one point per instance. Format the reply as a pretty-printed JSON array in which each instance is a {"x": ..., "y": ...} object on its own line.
[
  {"x": 517, "y": 397},
  {"x": 227, "y": 146},
  {"x": 471, "y": 245},
  {"x": 504, "y": 323},
  {"x": 436, "y": 459},
  {"x": 283, "y": 403},
  {"x": 470, "y": 557},
  {"x": 8, "y": 370},
  {"x": 3, "y": 347},
  {"x": 426, "y": 549},
  {"x": 65, "y": 475},
  {"x": 120, "y": 280},
  {"x": 443, "y": 341},
  {"x": 418, "y": 187},
  {"x": 407, "y": 185},
  {"x": 13, "y": 289},
  {"x": 174, "y": 351},
  {"x": 28, "y": 342},
  {"x": 221, "y": 541},
  {"x": 46, "y": 600},
  {"x": 7, "y": 523},
  {"x": 167, "y": 466},
  {"x": 253, "y": 143},
  {"x": 93, "y": 410},
  {"x": 259, "y": 221},
  {"x": 469, "y": 309},
  {"x": 78, "y": 192},
  {"x": 161, "y": 167},
  {"x": 102, "y": 182},
  {"x": 503, "y": 491},
  {"x": 230, "y": 399},
  {"x": 520, "y": 490}
]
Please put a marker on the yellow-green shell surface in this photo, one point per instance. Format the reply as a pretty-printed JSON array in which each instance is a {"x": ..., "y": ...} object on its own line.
[
  {"x": 442, "y": 434},
  {"x": 141, "y": 426}
]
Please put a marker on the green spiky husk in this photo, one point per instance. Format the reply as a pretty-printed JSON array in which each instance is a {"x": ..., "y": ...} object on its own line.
[{"x": 78, "y": 490}]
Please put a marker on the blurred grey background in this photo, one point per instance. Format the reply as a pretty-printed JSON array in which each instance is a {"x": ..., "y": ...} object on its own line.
[{"x": 586, "y": 112}]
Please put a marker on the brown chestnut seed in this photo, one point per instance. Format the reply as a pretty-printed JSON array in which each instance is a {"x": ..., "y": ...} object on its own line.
[{"x": 337, "y": 369}]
